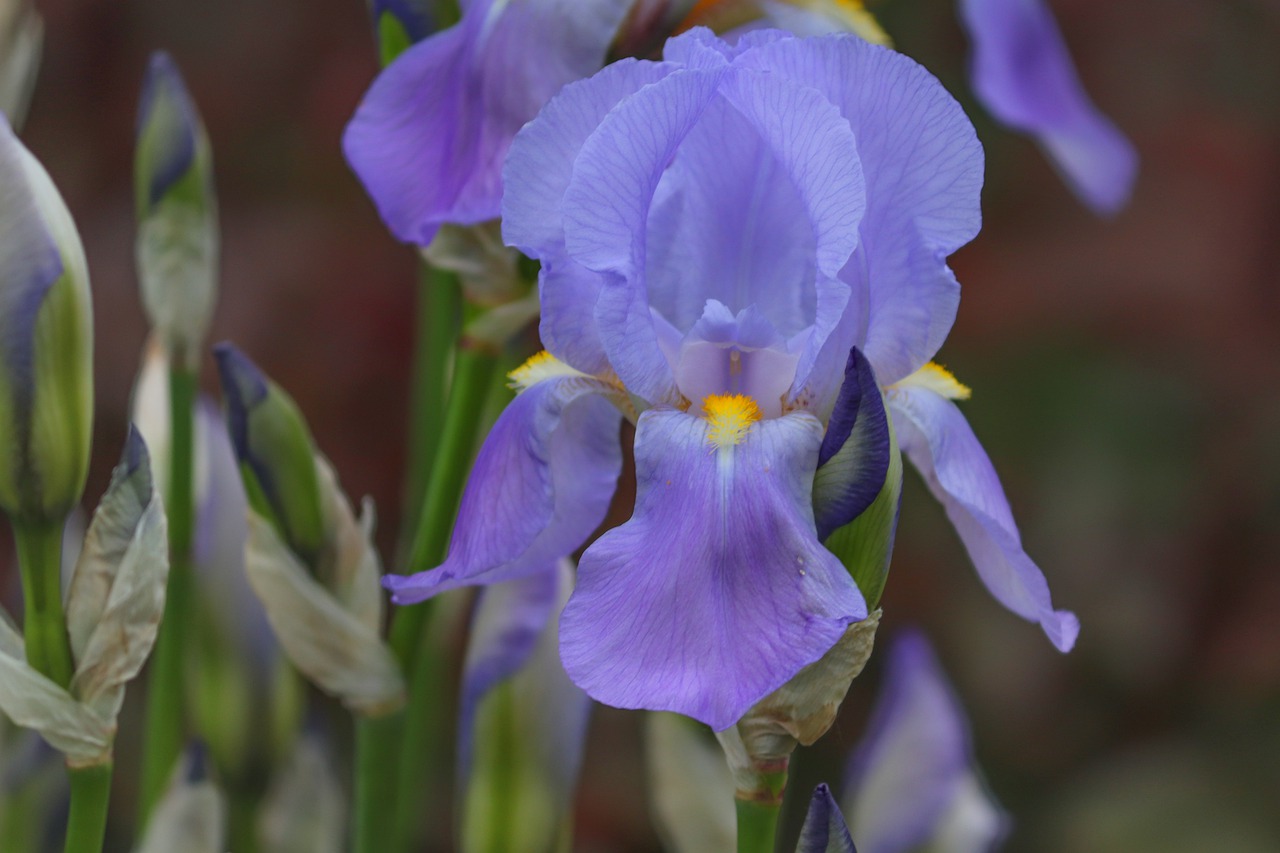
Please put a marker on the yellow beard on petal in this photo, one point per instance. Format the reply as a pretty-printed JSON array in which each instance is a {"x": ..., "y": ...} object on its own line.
[
  {"x": 539, "y": 367},
  {"x": 729, "y": 417},
  {"x": 937, "y": 379}
]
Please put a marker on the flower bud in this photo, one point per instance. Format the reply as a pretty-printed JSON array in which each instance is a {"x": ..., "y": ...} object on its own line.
[
  {"x": 858, "y": 485},
  {"x": 177, "y": 213},
  {"x": 309, "y": 559},
  {"x": 399, "y": 24},
  {"x": 275, "y": 451},
  {"x": 759, "y": 746},
  {"x": 21, "y": 36},
  {"x": 46, "y": 344}
]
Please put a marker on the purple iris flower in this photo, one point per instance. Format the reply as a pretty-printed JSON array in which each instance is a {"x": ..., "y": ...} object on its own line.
[
  {"x": 739, "y": 244},
  {"x": 1023, "y": 73},
  {"x": 913, "y": 782},
  {"x": 429, "y": 138}
]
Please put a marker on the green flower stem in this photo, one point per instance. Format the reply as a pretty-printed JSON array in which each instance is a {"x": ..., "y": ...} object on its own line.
[
  {"x": 409, "y": 735},
  {"x": 44, "y": 625},
  {"x": 377, "y": 753},
  {"x": 87, "y": 820},
  {"x": 166, "y": 721},
  {"x": 439, "y": 318},
  {"x": 758, "y": 814}
]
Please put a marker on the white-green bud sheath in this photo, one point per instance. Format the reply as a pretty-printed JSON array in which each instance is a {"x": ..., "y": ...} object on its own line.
[
  {"x": 46, "y": 344},
  {"x": 177, "y": 247},
  {"x": 21, "y": 37}
]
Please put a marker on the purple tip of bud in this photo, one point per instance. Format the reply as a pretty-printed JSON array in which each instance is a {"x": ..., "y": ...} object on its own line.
[
  {"x": 174, "y": 147},
  {"x": 30, "y": 264},
  {"x": 135, "y": 451},
  {"x": 244, "y": 387},
  {"x": 135, "y": 466},
  {"x": 859, "y": 421},
  {"x": 414, "y": 15},
  {"x": 197, "y": 762},
  {"x": 824, "y": 829},
  {"x": 845, "y": 414}
]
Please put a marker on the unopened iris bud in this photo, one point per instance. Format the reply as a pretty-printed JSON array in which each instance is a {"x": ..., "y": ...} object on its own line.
[
  {"x": 276, "y": 453},
  {"x": 177, "y": 213},
  {"x": 21, "y": 35},
  {"x": 46, "y": 344},
  {"x": 402, "y": 23},
  {"x": 309, "y": 558}
]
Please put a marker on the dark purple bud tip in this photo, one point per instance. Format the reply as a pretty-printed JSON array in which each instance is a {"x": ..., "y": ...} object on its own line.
[
  {"x": 414, "y": 15},
  {"x": 167, "y": 127},
  {"x": 824, "y": 829},
  {"x": 197, "y": 762},
  {"x": 244, "y": 387}
]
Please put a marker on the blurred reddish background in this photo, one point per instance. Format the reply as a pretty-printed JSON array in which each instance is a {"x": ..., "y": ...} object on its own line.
[{"x": 1124, "y": 377}]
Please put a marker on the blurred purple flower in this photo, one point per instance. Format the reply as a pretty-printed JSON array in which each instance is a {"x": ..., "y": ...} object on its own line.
[
  {"x": 429, "y": 137},
  {"x": 913, "y": 781},
  {"x": 513, "y": 646},
  {"x": 734, "y": 242},
  {"x": 1023, "y": 73}
]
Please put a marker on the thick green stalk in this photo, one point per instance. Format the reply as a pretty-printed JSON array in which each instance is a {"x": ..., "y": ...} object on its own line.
[
  {"x": 166, "y": 721},
  {"x": 87, "y": 820},
  {"x": 377, "y": 753},
  {"x": 758, "y": 814},
  {"x": 439, "y": 319},
  {"x": 44, "y": 625},
  {"x": 472, "y": 378}
]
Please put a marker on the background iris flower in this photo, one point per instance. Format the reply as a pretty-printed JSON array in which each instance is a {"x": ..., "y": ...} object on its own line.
[
  {"x": 717, "y": 231},
  {"x": 429, "y": 137}
]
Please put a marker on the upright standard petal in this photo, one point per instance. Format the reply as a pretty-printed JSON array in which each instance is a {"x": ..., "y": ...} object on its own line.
[
  {"x": 1023, "y": 72},
  {"x": 540, "y": 485},
  {"x": 606, "y": 209},
  {"x": 537, "y": 173},
  {"x": 824, "y": 829},
  {"x": 429, "y": 138},
  {"x": 913, "y": 769},
  {"x": 940, "y": 443},
  {"x": 923, "y": 168},
  {"x": 717, "y": 591}
]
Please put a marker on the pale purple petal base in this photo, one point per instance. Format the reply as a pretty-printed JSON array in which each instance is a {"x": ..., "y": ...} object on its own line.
[
  {"x": 717, "y": 591},
  {"x": 940, "y": 443}
]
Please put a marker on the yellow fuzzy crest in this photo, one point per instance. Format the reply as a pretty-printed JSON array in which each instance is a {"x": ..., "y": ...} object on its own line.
[
  {"x": 937, "y": 379},
  {"x": 730, "y": 416},
  {"x": 539, "y": 367}
]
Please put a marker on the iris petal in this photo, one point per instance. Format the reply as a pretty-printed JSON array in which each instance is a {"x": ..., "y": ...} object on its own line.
[
  {"x": 539, "y": 168},
  {"x": 717, "y": 591},
  {"x": 1023, "y": 73},
  {"x": 942, "y": 446},
  {"x": 540, "y": 485},
  {"x": 513, "y": 636},
  {"x": 923, "y": 168},
  {"x": 429, "y": 138},
  {"x": 914, "y": 764}
]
